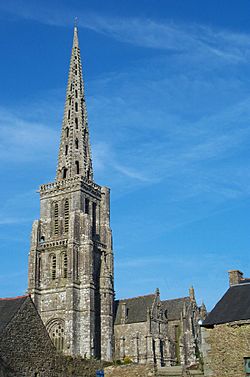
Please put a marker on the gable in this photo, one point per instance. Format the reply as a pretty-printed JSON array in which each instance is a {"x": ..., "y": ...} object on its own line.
[
  {"x": 233, "y": 306},
  {"x": 8, "y": 308}
]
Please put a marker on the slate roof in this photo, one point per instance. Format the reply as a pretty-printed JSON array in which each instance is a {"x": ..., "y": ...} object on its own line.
[
  {"x": 8, "y": 308},
  {"x": 136, "y": 308},
  {"x": 233, "y": 306},
  {"x": 173, "y": 308}
]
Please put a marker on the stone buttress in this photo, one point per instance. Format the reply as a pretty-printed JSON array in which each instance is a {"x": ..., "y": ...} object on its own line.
[{"x": 71, "y": 258}]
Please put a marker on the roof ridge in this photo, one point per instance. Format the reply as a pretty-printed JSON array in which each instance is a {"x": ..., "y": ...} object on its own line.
[
  {"x": 12, "y": 298},
  {"x": 175, "y": 299},
  {"x": 132, "y": 298}
]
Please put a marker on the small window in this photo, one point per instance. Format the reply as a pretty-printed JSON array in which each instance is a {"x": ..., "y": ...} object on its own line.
[
  {"x": 75, "y": 72},
  {"x": 76, "y": 93},
  {"x": 75, "y": 66},
  {"x": 76, "y": 106},
  {"x": 68, "y": 114},
  {"x": 71, "y": 87},
  {"x": 86, "y": 205},
  {"x": 69, "y": 100},
  {"x": 64, "y": 173},
  {"x": 76, "y": 123},
  {"x": 76, "y": 143},
  {"x": 77, "y": 167},
  {"x": 66, "y": 150},
  {"x": 67, "y": 131}
]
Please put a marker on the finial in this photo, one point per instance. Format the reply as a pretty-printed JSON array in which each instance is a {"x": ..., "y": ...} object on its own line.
[{"x": 76, "y": 22}]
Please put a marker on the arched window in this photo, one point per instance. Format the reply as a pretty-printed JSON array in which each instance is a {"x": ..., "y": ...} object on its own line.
[
  {"x": 65, "y": 265},
  {"x": 77, "y": 167},
  {"x": 76, "y": 106},
  {"x": 76, "y": 143},
  {"x": 76, "y": 123},
  {"x": 67, "y": 131},
  {"x": 53, "y": 267},
  {"x": 64, "y": 172},
  {"x": 66, "y": 150},
  {"x": 66, "y": 216},
  {"x": 56, "y": 221},
  {"x": 56, "y": 333}
]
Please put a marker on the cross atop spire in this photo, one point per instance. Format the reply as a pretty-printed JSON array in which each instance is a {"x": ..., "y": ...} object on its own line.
[{"x": 74, "y": 154}]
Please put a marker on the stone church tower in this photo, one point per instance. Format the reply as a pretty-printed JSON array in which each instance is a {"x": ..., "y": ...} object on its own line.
[{"x": 71, "y": 259}]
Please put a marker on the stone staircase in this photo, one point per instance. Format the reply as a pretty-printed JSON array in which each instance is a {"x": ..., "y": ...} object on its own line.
[{"x": 177, "y": 371}]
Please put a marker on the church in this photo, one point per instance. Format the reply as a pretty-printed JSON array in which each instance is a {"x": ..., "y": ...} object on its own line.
[{"x": 71, "y": 264}]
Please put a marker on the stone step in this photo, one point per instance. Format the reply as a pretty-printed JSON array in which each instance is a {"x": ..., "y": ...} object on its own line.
[{"x": 175, "y": 371}]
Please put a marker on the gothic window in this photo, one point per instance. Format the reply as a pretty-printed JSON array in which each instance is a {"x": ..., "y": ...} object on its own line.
[
  {"x": 53, "y": 267},
  {"x": 69, "y": 100},
  {"x": 71, "y": 87},
  {"x": 77, "y": 167},
  {"x": 76, "y": 106},
  {"x": 75, "y": 66},
  {"x": 56, "y": 333},
  {"x": 68, "y": 114},
  {"x": 86, "y": 205},
  {"x": 76, "y": 94},
  {"x": 76, "y": 143},
  {"x": 76, "y": 123},
  {"x": 56, "y": 220},
  {"x": 66, "y": 216},
  {"x": 65, "y": 265},
  {"x": 64, "y": 172},
  {"x": 67, "y": 131},
  {"x": 66, "y": 150}
]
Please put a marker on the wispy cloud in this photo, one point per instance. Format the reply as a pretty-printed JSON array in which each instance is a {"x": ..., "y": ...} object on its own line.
[
  {"x": 22, "y": 140},
  {"x": 191, "y": 39}
]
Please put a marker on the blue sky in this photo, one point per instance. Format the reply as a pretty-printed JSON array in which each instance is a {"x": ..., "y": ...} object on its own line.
[{"x": 168, "y": 95}]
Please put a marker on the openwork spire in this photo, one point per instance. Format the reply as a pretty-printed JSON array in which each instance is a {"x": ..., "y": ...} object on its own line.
[{"x": 74, "y": 153}]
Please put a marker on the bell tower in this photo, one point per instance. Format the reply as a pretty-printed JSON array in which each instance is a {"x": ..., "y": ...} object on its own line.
[{"x": 71, "y": 259}]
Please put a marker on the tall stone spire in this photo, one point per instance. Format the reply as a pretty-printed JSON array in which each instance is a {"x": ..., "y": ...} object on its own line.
[{"x": 74, "y": 154}]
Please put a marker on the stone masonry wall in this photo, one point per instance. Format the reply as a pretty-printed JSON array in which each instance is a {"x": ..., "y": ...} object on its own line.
[
  {"x": 224, "y": 349},
  {"x": 131, "y": 341}
]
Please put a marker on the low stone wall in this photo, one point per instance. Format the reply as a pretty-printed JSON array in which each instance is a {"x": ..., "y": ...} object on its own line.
[
  {"x": 224, "y": 349},
  {"x": 130, "y": 370}
]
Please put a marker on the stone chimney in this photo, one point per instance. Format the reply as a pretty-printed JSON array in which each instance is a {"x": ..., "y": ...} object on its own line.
[{"x": 235, "y": 277}]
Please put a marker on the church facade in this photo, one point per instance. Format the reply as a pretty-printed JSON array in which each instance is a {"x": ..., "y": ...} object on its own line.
[{"x": 71, "y": 277}]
